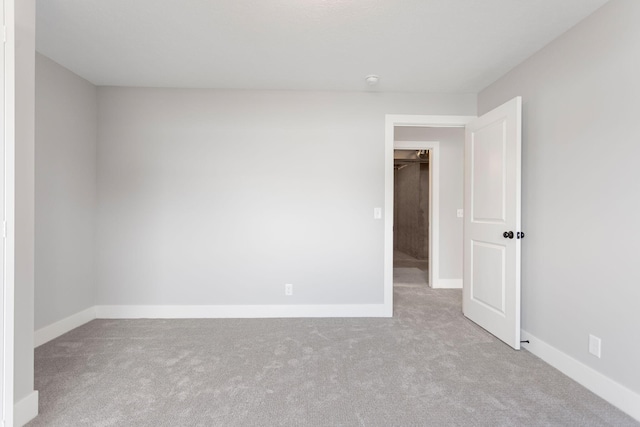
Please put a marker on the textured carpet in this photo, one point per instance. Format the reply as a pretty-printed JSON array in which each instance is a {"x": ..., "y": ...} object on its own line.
[
  {"x": 409, "y": 277},
  {"x": 402, "y": 260},
  {"x": 427, "y": 366}
]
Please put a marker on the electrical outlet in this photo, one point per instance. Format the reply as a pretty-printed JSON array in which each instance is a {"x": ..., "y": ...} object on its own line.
[
  {"x": 460, "y": 213},
  {"x": 595, "y": 346},
  {"x": 288, "y": 289}
]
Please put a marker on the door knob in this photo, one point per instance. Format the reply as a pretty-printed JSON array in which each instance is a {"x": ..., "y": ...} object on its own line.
[{"x": 508, "y": 234}]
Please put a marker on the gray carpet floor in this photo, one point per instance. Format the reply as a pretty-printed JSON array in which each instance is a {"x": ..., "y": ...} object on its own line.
[
  {"x": 403, "y": 260},
  {"x": 409, "y": 277},
  {"x": 427, "y": 366}
]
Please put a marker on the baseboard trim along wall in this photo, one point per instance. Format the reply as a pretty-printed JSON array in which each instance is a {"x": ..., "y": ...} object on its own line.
[
  {"x": 61, "y": 327},
  {"x": 448, "y": 284},
  {"x": 611, "y": 391},
  {"x": 46, "y": 334},
  {"x": 238, "y": 311},
  {"x": 26, "y": 409}
]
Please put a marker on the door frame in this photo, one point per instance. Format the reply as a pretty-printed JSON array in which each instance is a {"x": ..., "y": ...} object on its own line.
[
  {"x": 433, "y": 231},
  {"x": 7, "y": 143},
  {"x": 408, "y": 120}
]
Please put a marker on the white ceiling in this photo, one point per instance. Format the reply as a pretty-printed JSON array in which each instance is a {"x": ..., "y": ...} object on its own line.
[{"x": 453, "y": 46}]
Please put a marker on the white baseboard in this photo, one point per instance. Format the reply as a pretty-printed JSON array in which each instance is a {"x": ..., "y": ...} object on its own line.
[
  {"x": 26, "y": 409},
  {"x": 611, "y": 391},
  {"x": 63, "y": 326},
  {"x": 448, "y": 284},
  {"x": 239, "y": 311},
  {"x": 50, "y": 332},
  {"x": 46, "y": 334}
]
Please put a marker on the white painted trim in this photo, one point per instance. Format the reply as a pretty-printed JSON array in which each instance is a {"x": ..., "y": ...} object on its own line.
[
  {"x": 388, "y": 213},
  {"x": 238, "y": 311},
  {"x": 448, "y": 284},
  {"x": 618, "y": 395},
  {"x": 50, "y": 332},
  {"x": 429, "y": 121},
  {"x": 26, "y": 409},
  {"x": 63, "y": 326},
  {"x": 8, "y": 409},
  {"x": 434, "y": 203},
  {"x": 391, "y": 121}
]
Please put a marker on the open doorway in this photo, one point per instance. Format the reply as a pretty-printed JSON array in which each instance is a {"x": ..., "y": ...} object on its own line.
[
  {"x": 429, "y": 230},
  {"x": 445, "y": 226},
  {"x": 411, "y": 218}
]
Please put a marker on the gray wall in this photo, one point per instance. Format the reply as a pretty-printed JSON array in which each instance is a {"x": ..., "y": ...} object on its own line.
[
  {"x": 451, "y": 195},
  {"x": 222, "y": 197},
  {"x": 580, "y": 189},
  {"x": 24, "y": 190},
  {"x": 65, "y": 207},
  {"x": 411, "y": 210}
]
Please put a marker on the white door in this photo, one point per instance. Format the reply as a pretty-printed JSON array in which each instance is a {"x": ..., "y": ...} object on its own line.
[{"x": 492, "y": 233}]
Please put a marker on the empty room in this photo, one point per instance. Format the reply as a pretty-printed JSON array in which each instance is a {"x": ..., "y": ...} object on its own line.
[{"x": 320, "y": 213}]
